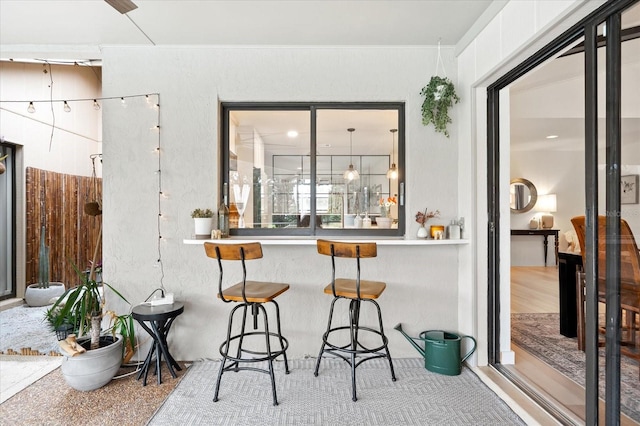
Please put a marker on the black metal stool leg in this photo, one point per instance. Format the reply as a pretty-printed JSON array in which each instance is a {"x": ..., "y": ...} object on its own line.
[
  {"x": 269, "y": 355},
  {"x": 385, "y": 341},
  {"x": 242, "y": 331},
  {"x": 354, "y": 314},
  {"x": 282, "y": 347},
  {"x": 224, "y": 350},
  {"x": 325, "y": 337}
]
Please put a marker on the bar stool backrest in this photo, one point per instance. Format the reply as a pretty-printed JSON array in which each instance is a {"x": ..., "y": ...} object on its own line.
[
  {"x": 240, "y": 251},
  {"x": 346, "y": 250}
]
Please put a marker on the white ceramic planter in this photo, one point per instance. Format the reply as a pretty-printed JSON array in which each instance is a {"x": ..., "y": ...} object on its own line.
[
  {"x": 94, "y": 368},
  {"x": 35, "y": 296},
  {"x": 384, "y": 222},
  {"x": 203, "y": 225}
]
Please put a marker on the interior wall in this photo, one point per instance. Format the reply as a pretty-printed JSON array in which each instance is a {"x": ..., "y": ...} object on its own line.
[{"x": 421, "y": 292}]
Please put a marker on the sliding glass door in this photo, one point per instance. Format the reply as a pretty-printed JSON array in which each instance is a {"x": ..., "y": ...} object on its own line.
[
  {"x": 584, "y": 140},
  {"x": 7, "y": 222}
]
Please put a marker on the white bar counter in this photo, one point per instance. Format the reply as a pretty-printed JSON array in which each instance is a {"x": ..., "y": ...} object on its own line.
[{"x": 308, "y": 241}]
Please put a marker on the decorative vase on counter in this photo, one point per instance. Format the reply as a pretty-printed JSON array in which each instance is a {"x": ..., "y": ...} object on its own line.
[
  {"x": 366, "y": 222},
  {"x": 422, "y": 232}
]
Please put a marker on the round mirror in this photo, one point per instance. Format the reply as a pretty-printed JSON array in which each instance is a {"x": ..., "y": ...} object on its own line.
[{"x": 522, "y": 195}]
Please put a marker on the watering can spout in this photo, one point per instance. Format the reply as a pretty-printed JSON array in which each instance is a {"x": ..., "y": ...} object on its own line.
[{"x": 410, "y": 339}]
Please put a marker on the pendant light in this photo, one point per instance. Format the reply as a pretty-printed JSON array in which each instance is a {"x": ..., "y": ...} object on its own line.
[
  {"x": 392, "y": 173},
  {"x": 351, "y": 173}
]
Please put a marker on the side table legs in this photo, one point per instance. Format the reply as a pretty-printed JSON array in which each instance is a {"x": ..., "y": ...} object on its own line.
[{"x": 158, "y": 331}]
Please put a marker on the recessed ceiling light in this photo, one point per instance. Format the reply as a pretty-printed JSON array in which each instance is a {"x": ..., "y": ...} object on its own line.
[
  {"x": 552, "y": 136},
  {"x": 292, "y": 133}
]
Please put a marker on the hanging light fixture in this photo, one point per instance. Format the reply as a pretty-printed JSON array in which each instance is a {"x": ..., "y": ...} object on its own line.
[
  {"x": 351, "y": 173},
  {"x": 67, "y": 108},
  {"x": 392, "y": 173},
  {"x": 96, "y": 105},
  {"x": 31, "y": 109}
]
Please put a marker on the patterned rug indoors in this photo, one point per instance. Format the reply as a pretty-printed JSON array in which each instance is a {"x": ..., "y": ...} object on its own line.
[
  {"x": 418, "y": 397},
  {"x": 539, "y": 335}
]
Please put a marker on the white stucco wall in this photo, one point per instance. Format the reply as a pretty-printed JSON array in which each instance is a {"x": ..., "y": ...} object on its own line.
[
  {"x": 77, "y": 134},
  {"x": 516, "y": 32},
  {"x": 422, "y": 292},
  {"x": 66, "y": 148}
]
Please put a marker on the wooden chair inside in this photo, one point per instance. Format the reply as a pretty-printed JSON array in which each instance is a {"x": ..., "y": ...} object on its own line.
[
  {"x": 240, "y": 349},
  {"x": 357, "y": 291},
  {"x": 629, "y": 283}
]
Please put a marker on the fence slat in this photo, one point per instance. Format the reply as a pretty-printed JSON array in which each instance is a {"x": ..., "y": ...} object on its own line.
[{"x": 57, "y": 201}]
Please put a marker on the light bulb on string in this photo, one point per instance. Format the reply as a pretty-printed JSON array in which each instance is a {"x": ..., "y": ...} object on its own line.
[
  {"x": 67, "y": 108},
  {"x": 31, "y": 108},
  {"x": 96, "y": 105},
  {"x": 124, "y": 103}
]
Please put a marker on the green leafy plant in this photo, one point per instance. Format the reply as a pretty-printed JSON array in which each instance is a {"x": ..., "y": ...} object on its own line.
[
  {"x": 82, "y": 307},
  {"x": 439, "y": 96},
  {"x": 201, "y": 213}
]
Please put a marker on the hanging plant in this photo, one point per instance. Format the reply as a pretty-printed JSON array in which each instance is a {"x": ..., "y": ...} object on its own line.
[{"x": 439, "y": 96}]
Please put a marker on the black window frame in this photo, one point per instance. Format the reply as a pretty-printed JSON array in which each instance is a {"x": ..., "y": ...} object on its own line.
[{"x": 313, "y": 107}]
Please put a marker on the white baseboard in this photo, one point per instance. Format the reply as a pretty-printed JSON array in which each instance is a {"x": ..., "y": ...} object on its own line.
[{"x": 507, "y": 357}]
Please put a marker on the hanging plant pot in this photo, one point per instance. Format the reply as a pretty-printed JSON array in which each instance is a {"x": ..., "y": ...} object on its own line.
[{"x": 439, "y": 96}]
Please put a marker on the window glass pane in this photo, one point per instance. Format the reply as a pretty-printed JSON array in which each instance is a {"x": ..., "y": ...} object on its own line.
[
  {"x": 358, "y": 141},
  {"x": 270, "y": 163},
  {"x": 269, "y": 168}
]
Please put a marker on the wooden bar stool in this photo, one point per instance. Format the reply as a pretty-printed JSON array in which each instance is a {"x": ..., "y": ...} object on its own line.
[
  {"x": 251, "y": 295},
  {"x": 356, "y": 291}
]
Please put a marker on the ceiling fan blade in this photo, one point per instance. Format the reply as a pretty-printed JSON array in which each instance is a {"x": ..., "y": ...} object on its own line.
[{"x": 122, "y": 6}]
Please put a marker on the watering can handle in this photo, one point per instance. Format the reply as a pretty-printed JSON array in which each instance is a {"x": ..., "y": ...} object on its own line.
[{"x": 472, "y": 349}]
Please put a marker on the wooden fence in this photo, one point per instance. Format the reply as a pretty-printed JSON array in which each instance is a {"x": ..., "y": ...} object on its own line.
[{"x": 56, "y": 201}]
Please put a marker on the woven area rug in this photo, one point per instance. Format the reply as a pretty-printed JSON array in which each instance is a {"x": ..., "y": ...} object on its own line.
[
  {"x": 539, "y": 335},
  {"x": 418, "y": 397}
]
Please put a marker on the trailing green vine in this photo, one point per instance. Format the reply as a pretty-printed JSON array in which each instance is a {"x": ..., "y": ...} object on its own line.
[{"x": 439, "y": 96}]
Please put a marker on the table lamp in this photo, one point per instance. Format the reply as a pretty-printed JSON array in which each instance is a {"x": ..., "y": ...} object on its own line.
[{"x": 546, "y": 204}]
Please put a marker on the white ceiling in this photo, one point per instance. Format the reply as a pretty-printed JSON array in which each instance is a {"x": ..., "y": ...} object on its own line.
[{"x": 58, "y": 26}]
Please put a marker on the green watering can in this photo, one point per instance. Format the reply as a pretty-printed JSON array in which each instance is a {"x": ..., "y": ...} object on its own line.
[{"x": 441, "y": 350}]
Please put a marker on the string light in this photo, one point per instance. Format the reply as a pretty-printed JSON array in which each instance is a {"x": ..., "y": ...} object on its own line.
[
  {"x": 154, "y": 103},
  {"x": 161, "y": 194}
]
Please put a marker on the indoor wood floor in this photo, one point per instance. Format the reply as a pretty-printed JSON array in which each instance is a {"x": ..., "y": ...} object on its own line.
[{"x": 535, "y": 290}]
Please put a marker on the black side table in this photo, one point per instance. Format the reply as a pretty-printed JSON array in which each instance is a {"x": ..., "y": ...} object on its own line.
[{"x": 160, "y": 318}]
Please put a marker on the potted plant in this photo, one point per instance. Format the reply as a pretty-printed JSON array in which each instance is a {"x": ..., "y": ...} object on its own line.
[
  {"x": 439, "y": 96},
  {"x": 203, "y": 220},
  {"x": 43, "y": 292},
  {"x": 91, "y": 362}
]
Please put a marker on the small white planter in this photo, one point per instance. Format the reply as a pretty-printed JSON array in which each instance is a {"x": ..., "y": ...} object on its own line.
[
  {"x": 36, "y": 296},
  {"x": 203, "y": 225}
]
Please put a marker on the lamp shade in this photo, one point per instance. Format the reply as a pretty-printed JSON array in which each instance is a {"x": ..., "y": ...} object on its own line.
[{"x": 547, "y": 203}]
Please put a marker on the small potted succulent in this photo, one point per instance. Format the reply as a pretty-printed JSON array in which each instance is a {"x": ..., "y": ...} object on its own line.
[{"x": 203, "y": 221}]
